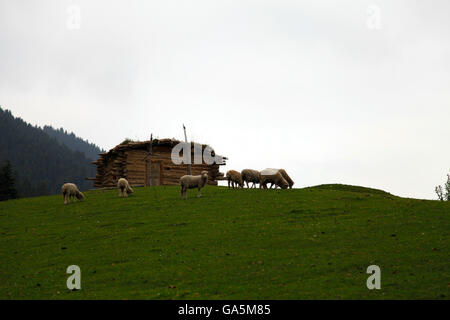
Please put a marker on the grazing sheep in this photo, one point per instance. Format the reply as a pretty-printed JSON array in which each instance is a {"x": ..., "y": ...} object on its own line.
[
  {"x": 249, "y": 175},
  {"x": 70, "y": 190},
  {"x": 287, "y": 178},
  {"x": 190, "y": 182},
  {"x": 234, "y": 178},
  {"x": 274, "y": 177},
  {"x": 124, "y": 187}
]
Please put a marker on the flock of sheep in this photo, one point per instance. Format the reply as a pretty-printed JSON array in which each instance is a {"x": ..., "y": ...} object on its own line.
[{"x": 276, "y": 177}]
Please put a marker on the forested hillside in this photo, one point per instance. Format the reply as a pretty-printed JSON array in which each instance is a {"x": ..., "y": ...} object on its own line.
[
  {"x": 40, "y": 163},
  {"x": 74, "y": 143}
]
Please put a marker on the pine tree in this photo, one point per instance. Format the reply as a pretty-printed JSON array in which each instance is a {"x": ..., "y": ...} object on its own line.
[{"x": 7, "y": 183}]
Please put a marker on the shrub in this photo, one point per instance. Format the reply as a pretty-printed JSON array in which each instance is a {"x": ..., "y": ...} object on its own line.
[{"x": 444, "y": 193}]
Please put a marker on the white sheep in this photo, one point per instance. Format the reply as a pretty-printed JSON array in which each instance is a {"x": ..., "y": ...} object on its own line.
[
  {"x": 124, "y": 187},
  {"x": 191, "y": 182},
  {"x": 287, "y": 178},
  {"x": 234, "y": 178},
  {"x": 70, "y": 190},
  {"x": 274, "y": 177},
  {"x": 249, "y": 175}
]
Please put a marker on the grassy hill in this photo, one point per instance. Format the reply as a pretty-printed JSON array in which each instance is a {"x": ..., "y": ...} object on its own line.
[{"x": 230, "y": 244}]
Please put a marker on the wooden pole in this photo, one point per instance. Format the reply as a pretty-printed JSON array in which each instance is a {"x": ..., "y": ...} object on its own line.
[
  {"x": 188, "y": 166},
  {"x": 149, "y": 182}
]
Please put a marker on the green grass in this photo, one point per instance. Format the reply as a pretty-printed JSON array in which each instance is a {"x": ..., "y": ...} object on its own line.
[{"x": 312, "y": 243}]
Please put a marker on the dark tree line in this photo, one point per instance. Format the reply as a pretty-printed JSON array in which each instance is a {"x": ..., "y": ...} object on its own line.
[
  {"x": 7, "y": 183},
  {"x": 73, "y": 142},
  {"x": 39, "y": 162}
]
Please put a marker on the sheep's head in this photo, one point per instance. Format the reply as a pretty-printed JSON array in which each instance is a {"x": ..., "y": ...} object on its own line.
[
  {"x": 80, "y": 196},
  {"x": 204, "y": 174},
  {"x": 284, "y": 184}
]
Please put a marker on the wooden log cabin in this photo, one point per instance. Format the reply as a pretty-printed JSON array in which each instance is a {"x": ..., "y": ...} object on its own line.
[{"x": 132, "y": 161}]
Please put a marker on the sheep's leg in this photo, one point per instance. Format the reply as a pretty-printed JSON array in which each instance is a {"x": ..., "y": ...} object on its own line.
[
  {"x": 125, "y": 192},
  {"x": 199, "y": 193},
  {"x": 65, "y": 198},
  {"x": 247, "y": 184},
  {"x": 183, "y": 192}
]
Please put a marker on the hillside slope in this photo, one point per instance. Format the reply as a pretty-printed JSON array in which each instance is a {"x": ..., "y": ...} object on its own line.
[
  {"x": 312, "y": 243},
  {"x": 40, "y": 162}
]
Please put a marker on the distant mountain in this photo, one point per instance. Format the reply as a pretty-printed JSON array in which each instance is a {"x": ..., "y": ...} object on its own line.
[
  {"x": 73, "y": 142},
  {"x": 41, "y": 164}
]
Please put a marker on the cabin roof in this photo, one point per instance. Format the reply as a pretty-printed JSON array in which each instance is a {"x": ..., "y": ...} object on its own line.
[{"x": 130, "y": 145}]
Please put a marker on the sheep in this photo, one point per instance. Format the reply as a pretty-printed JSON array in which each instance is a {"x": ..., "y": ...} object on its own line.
[
  {"x": 249, "y": 175},
  {"x": 274, "y": 177},
  {"x": 287, "y": 178},
  {"x": 70, "y": 190},
  {"x": 190, "y": 182},
  {"x": 124, "y": 187},
  {"x": 234, "y": 178}
]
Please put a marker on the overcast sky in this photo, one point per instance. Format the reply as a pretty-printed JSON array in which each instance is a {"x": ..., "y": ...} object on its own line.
[{"x": 353, "y": 92}]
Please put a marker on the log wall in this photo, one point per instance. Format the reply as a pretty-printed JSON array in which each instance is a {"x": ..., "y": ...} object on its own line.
[{"x": 132, "y": 164}]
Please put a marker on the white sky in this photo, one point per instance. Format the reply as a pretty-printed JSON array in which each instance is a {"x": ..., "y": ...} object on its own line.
[{"x": 310, "y": 86}]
